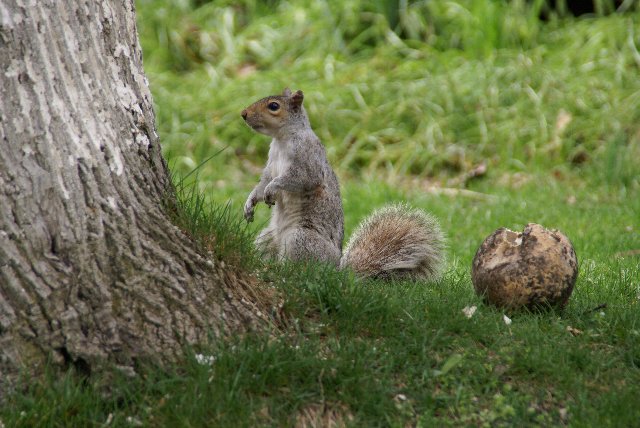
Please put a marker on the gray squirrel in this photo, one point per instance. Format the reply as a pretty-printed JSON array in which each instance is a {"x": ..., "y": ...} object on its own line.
[{"x": 307, "y": 220}]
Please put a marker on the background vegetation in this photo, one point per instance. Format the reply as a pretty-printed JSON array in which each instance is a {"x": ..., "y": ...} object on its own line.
[{"x": 477, "y": 111}]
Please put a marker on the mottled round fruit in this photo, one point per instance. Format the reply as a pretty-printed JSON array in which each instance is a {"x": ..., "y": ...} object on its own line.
[{"x": 536, "y": 268}]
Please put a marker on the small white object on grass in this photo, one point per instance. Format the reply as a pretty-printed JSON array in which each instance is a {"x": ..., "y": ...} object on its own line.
[
  {"x": 469, "y": 311},
  {"x": 205, "y": 359},
  {"x": 134, "y": 421},
  {"x": 506, "y": 320}
]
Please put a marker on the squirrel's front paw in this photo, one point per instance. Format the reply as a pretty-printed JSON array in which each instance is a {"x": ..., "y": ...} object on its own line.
[
  {"x": 270, "y": 195},
  {"x": 248, "y": 209}
]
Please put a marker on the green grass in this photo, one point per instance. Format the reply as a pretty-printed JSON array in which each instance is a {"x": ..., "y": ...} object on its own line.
[
  {"x": 502, "y": 89},
  {"x": 390, "y": 354},
  {"x": 215, "y": 228},
  {"x": 407, "y": 102}
]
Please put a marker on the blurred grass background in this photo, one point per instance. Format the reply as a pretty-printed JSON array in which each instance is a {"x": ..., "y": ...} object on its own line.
[{"x": 426, "y": 89}]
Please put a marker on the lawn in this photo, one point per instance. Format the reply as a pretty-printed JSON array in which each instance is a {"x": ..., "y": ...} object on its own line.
[{"x": 477, "y": 112}]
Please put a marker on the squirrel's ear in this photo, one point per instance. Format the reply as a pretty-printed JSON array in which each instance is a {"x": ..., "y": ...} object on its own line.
[
  {"x": 297, "y": 98},
  {"x": 286, "y": 92}
]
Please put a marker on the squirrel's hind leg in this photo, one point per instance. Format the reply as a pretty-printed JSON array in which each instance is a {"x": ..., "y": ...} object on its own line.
[{"x": 307, "y": 244}]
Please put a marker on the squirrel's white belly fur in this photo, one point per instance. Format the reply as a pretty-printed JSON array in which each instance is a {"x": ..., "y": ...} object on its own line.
[
  {"x": 287, "y": 213},
  {"x": 287, "y": 217}
]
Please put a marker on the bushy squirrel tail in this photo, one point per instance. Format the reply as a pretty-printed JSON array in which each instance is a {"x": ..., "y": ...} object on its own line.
[{"x": 396, "y": 242}]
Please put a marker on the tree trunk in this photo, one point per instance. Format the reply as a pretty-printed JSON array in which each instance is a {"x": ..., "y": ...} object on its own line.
[{"x": 92, "y": 270}]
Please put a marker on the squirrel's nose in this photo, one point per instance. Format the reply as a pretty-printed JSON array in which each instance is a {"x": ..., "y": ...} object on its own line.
[{"x": 244, "y": 114}]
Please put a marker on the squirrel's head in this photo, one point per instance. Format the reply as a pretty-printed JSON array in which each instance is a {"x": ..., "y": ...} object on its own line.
[{"x": 269, "y": 115}]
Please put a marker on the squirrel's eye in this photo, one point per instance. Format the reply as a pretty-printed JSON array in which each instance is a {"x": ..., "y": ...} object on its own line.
[{"x": 273, "y": 106}]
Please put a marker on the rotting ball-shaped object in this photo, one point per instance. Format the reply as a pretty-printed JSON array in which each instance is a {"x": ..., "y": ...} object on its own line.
[{"x": 535, "y": 269}]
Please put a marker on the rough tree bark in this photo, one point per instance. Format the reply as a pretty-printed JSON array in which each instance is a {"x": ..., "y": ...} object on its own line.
[{"x": 92, "y": 270}]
